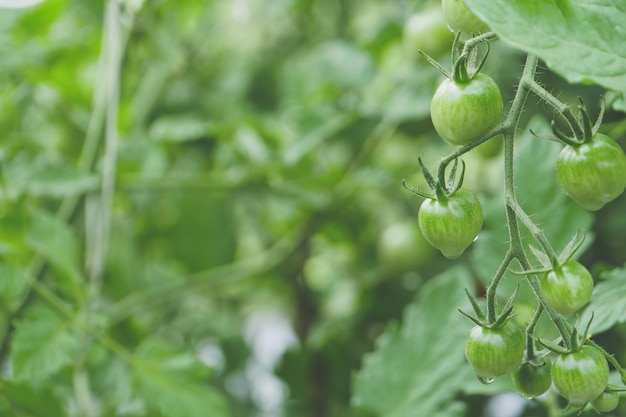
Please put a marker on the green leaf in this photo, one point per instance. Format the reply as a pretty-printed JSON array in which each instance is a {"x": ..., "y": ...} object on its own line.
[
  {"x": 13, "y": 284},
  {"x": 169, "y": 381},
  {"x": 36, "y": 402},
  {"x": 608, "y": 302},
  {"x": 415, "y": 368},
  {"x": 179, "y": 128},
  {"x": 582, "y": 40},
  {"x": 55, "y": 241},
  {"x": 43, "y": 344}
]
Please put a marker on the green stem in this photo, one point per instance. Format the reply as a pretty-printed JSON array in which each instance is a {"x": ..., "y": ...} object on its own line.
[
  {"x": 493, "y": 285},
  {"x": 558, "y": 105},
  {"x": 536, "y": 232},
  {"x": 609, "y": 358},
  {"x": 530, "y": 331}
]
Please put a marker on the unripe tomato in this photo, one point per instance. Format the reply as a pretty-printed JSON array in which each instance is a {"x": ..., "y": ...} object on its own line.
[
  {"x": 580, "y": 376},
  {"x": 459, "y": 17},
  {"x": 606, "y": 402},
  {"x": 567, "y": 288},
  {"x": 451, "y": 225},
  {"x": 428, "y": 31},
  {"x": 531, "y": 380},
  {"x": 402, "y": 248},
  {"x": 464, "y": 111},
  {"x": 495, "y": 352},
  {"x": 592, "y": 173}
]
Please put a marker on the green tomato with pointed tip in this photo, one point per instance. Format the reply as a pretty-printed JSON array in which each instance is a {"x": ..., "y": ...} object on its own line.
[
  {"x": 495, "y": 352},
  {"x": 581, "y": 376},
  {"x": 464, "y": 111},
  {"x": 592, "y": 173},
  {"x": 459, "y": 17},
  {"x": 567, "y": 288},
  {"x": 451, "y": 224}
]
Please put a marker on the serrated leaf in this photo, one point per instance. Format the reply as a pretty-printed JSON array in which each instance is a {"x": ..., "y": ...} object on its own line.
[
  {"x": 167, "y": 382},
  {"x": 608, "y": 302},
  {"x": 582, "y": 40},
  {"x": 414, "y": 369},
  {"x": 55, "y": 241},
  {"x": 43, "y": 344}
]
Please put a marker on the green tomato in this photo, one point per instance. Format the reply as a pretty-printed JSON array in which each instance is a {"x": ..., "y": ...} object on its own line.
[
  {"x": 459, "y": 17},
  {"x": 451, "y": 225},
  {"x": 495, "y": 352},
  {"x": 402, "y": 248},
  {"x": 606, "y": 402},
  {"x": 567, "y": 288},
  {"x": 462, "y": 112},
  {"x": 580, "y": 376},
  {"x": 531, "y": 380},
  {"x": 427, "y": 31},
  {"x": 592, "y": 173}
]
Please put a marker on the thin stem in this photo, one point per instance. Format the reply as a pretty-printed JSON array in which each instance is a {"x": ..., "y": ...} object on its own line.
[
  {"x": 530, "y": 330},
  {"x": 536, "y": 232},
  {"x": 609, "y": 358},
  {"x": 493, "y": 285},
  {"x": 472, "y": 43},
  {"x": 562, "y": 108},
  {"x": 102, "y": 210}
]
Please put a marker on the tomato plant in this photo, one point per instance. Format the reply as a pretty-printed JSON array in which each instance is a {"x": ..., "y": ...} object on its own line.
[
  {"x": 580, "y": 376},
  {"x": 531, "y": 380},
  {"x": 592, "y": 173},
  {"x": 459, "y": 17},
  {"x": 462, "y": 111},
  {"x": 568, "y": 287},
  {"x": 451, "y": 223},
  {"x": 495, "y": 352}
]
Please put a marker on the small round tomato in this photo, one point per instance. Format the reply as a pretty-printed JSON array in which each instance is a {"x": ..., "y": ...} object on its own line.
[
  {"x": 580, "y": 376},
  {"x": 495, "y": 352},
  {"x": 427, "y": 31},
  {"x": 464, "y": 111},
  {"x": 459, "y": 17},
  {"x": 451, "y": 224},
  {"x": 402, "y": 248},
  {"x": 592, "y": 173},
  {"x": 532, "y": 380},
  {"x": 606, "y": 402},
  {"x": 568, "y": 288}
]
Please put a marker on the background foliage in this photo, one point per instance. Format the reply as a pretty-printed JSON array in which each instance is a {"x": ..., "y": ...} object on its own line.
[{"x": 228, "y": 236}]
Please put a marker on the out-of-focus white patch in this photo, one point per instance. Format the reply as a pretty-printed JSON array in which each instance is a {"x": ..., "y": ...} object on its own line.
[
  {"x": 19, "y": 4},
  {"x": 505, "y": 405},
  {"x": 269, "y": 335},
  {"x": 210, "y": 353}
]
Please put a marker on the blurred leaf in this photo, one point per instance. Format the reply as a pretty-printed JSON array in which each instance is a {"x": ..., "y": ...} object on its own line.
[
  {"x": 13, "y": 284},
  {"x": 44, "y": 343},
  {"x": 180, "y": 128},
  {"x": 415, "y": 368},
  {"x": 55, "y": 241},
  {"x": 166, "y": 381},
  {"x": 49, "y": 179},
  {"x": 17, "y": 4},
  {"x": 582, "y": 40},
  {"x": 608, "y": 301},
  {"x": 37, "y": 402}
]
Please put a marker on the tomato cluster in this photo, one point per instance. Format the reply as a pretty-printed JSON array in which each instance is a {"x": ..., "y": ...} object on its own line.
[{"x": 465, "y": 110}]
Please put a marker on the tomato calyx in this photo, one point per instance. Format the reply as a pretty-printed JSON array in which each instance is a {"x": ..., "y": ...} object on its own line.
[
  {"x": 466, "y": 63},
  {"x": 481, "y": 318},
  {"x": 583, "y": 130},
  {"x": 440, "y": 192},
  {"x": 576, "y": 341}
]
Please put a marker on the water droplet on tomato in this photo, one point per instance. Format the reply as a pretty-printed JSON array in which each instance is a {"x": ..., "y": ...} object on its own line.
[{"x": 486, "y": 380}]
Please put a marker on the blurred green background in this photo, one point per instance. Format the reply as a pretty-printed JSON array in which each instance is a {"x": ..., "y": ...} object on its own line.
[{"x": 256, "y": 238}]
